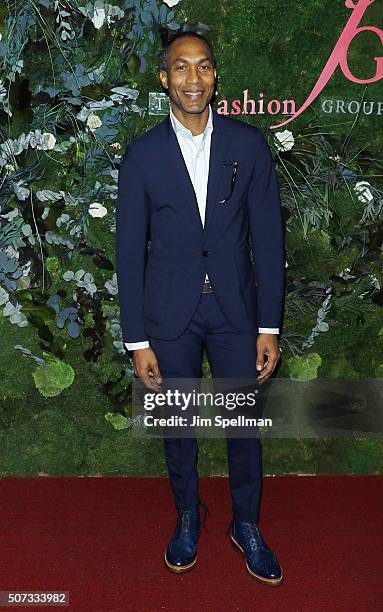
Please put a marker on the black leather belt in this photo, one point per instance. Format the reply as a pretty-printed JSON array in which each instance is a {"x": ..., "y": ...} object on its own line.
[{"x": 207, "y": 287}]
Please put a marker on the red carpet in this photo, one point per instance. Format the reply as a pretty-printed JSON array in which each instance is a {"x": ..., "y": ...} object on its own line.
[{"x": 103, "y": 539}]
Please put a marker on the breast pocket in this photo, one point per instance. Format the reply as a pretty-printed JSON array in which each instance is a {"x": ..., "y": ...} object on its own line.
[{"x": 233, "y": 185}]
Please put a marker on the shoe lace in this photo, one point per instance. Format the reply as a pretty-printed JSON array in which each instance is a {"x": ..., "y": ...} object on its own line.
[
  {"x": 205, "y": 511},
  {"x": 186, "y": 517},
  {"x": 255, "y": 537},
  {"x": 185, "y": 521}
]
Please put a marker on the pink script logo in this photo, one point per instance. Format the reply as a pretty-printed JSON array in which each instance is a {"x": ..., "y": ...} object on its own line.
[{"x": 339, "y": 55}]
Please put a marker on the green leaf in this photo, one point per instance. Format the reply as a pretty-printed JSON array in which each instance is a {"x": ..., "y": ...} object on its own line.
[{"x": 44, "y": 313}]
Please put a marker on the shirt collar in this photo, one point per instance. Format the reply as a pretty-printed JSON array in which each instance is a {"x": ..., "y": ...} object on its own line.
[{"x": 179, "y": 127}]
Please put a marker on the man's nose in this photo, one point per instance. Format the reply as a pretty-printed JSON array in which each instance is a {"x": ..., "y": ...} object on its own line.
[{"x": 193, "y": 75}]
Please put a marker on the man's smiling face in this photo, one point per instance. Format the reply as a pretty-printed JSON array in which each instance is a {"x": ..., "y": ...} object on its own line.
[{"x": 190, "y": 76}]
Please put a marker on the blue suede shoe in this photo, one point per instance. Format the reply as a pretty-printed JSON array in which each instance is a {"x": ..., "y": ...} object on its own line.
[
  {"x": 260, "y": 560},
  {"x": 181, "y": 552}
]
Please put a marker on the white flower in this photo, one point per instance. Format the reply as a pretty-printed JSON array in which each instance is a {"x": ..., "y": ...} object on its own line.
[
  {"x": 14, "y": 314},
  {"x": 26, "y": 268},
  {"x": 97, "y": 210},
  {"x": 42, "y": 141},
  {"x": 21, "y": 192},
  {"x": 363, "y": 192},
  {"x": 48, "y": 141},
  {"x": 116, "y": 145},
  {"x": 374, "y": 281},
  {"x": 99, "y": 14},
  {"x": 345, "y": 274},
  {"x": 11, "y": 215},
  {"x": 171, "y": 2},
  {"x": 284, "y": 141},
  {"x": 93, "y": 122},
  {"x": 9, "y": 168},
  {"x": 3, "y": 91},
  {"x": 34, "y": 139}
]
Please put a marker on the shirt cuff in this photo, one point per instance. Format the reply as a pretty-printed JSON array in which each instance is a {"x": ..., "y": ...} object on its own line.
[
  {"x": 268, "y": 330},
  {"x": 132, "y": 346}
]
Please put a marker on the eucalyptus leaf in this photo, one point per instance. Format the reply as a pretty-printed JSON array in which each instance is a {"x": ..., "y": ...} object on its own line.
[
  {"x": 163, "y": 14},
  {"x": 323, "y": 326},
  {"x": 73, "y": 329}
]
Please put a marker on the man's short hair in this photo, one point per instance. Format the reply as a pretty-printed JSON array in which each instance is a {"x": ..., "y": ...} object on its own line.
[{"x": 165, "y": 51}]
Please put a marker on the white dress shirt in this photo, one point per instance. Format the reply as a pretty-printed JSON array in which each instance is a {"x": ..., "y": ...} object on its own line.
[{"x": 196, "y": 153}]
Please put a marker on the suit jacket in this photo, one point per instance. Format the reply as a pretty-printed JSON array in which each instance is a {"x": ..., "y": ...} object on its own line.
[{"x": 160, "y": 286}]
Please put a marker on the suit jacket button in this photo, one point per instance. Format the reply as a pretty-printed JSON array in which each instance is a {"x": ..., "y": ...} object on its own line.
[{"x": 205, "y": 253}]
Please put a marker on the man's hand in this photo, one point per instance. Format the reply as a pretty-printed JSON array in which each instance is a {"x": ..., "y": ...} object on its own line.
[
  {"x": 146, "y": 368},
  {"x": 267, "y": 344}
]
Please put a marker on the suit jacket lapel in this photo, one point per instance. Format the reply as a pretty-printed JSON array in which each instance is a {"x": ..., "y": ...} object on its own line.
[
  {"x": 217, "y": 156},
  {"x": 180, "y": 174}
]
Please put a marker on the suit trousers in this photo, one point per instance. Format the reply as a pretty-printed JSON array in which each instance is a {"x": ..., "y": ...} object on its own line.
[{"x": 230, "y": 354}]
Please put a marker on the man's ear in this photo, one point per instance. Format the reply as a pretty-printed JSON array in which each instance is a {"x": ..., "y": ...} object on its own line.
[{"x": 165, "y": 80}]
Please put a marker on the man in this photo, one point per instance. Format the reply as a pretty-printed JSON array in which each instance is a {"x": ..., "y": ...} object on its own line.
[{"x": 195, "y": 185}]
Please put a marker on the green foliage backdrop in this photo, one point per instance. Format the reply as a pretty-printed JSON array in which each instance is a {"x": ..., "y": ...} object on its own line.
[{"x": 75, "y": 79}]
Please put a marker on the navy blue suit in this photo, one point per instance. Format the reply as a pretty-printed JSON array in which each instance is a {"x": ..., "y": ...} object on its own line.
[{"x": 160, "y": 288}]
